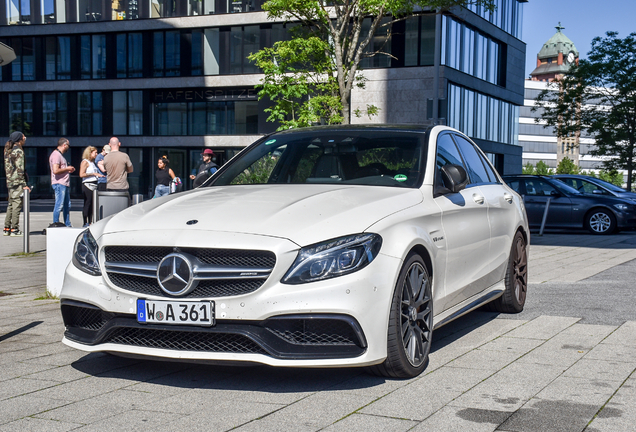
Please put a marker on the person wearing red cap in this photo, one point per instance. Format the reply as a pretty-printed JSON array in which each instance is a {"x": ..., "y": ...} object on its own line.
[{"x": 206, "y": 169}]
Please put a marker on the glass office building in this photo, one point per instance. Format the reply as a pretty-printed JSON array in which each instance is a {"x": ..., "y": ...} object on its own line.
[{"x": 172, "y": 77}]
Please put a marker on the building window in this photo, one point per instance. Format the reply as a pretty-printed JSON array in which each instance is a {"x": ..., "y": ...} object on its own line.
[
  {"x": 90, "y": 10},
  {"x": 206, "y": 118},
  {"x": 200, "y": 7},
  {"x": 378, "y": 43},
  {"x": 18, "y": 11},
  {"x": 471, "y": 52},
  {"x": 89, "y": 113},
  {"x": 127, "y": 112},
  {"x": 419, "y": 41},
  {"x": 21, "y": 112},
  {"x": 167, "y": 53},
  {"x": 54, "y": 114},
  {"x": 93, "y": 56},
  {"x": 243, "y": 42},
  {"x": 125, "y": 9},
  {"x": 508, "y": 15},
  {"x": 23, "y": 67},
  {"x": 53, "y": 11},
  {"x": 163, "y": 8},
  {"x": 482, "y": 117},
  {"x": 129, "y": 55},
  {"x": 58, "y": 57}
]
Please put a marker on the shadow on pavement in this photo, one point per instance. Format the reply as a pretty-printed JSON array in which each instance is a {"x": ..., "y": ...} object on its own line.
[
  {"x": 621, "y": 240},
  {"x": 253, "y": 377},
  {"x": 20, "y": 330}
]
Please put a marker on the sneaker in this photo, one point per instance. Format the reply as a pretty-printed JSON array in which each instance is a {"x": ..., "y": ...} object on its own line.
[
  {"x": 86, "y": 225},
  {"x": 16, "y": 233},
  {"x": 7, "y": 231}
]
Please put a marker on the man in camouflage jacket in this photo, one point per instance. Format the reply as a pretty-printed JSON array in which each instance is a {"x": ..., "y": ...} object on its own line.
[{"x": 16, "y": 182}]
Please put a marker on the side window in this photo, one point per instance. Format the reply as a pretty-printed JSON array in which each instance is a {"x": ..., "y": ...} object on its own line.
[
  {"x": 474, "y": 164},
  {"x": 489, "y": 169},
  {"x": 536, "y": 187},
  {"x": 589, "y": 187},
  {"x": 447, "y": 152}
]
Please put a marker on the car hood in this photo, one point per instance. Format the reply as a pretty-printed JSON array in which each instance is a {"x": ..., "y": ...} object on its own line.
[{"x": 303, "y": 214}]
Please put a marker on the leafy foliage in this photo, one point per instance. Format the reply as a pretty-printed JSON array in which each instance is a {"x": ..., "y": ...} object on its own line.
[
  {"x": 598, "y": 97},
  {"x": 567, "y": 166},
  {"x": 258, "y": 172},
  {"x": 541, "y": 168},
  {"x": 309, "y": 78},
  {"x": 613, "y": 177}
]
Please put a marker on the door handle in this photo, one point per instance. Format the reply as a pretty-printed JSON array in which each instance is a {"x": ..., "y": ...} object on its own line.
[
  {"x": 508, "y": 198},
  {"x": 478, "y": 199}
]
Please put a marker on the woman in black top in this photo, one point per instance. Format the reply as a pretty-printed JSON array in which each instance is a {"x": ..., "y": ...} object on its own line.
[{"x": 164, "y": 175}]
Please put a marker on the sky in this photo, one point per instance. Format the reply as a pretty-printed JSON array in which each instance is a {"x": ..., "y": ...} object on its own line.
[{"x": 583, "y": 20}]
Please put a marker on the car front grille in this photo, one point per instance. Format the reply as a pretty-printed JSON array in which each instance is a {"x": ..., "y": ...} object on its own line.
[
  {"x": 315, "y": 331},
  {"x": 85, "y": 317},
  {"x": 221, "y": 288},
  {"x": 184, "y": 340},
  {"x": 133, "y": 268}
]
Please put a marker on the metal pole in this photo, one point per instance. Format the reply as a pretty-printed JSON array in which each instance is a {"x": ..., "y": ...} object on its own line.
[
  {"x": 26, "y": 201},
  {"x": 95, "y": 206},
  {"x": 545, "y": 215}
]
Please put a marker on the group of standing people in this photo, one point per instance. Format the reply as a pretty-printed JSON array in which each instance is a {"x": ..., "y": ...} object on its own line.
[{"x": 105, "y": 171}]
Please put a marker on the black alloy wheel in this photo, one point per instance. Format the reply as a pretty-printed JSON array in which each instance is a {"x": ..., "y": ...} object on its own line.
[
  {"x": 513, "y": 298},
  {"x": 410, "y": 323}
]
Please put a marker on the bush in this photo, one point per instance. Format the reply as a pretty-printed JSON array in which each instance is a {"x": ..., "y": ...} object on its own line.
[
  {"x": 542, "y": 169},
  {"x": 567, "y": 166},
  {"x": 528, "y": 169},
  {"x": 613, "y": 177}
]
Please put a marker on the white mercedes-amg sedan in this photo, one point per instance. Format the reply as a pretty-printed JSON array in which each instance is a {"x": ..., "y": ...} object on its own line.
[{"x": 318, "y": 247}]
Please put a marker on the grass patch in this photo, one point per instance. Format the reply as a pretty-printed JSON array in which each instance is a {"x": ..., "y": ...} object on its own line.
[
  {"x": 47, "y": 296},
  {"x": 23, "y": 254}
]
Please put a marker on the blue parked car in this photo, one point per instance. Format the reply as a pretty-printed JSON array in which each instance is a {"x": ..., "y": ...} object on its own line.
[{"x": 569, "y": 208}]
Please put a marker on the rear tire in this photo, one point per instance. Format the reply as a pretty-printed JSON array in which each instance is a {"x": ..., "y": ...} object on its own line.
[
  {"x": 410, "y": 328},
  {"x": 516, "y": 281}
]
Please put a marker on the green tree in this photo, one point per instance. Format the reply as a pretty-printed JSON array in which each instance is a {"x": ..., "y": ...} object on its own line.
[
  {"x": 567, "y": 166},
  {"x": 542, "y": 168},
  {"x": 528, "y": 169},
  {"x": 613, "y": 177},
  {"x": 309, "y": 78},
  {"x": 598, "y": 97}
]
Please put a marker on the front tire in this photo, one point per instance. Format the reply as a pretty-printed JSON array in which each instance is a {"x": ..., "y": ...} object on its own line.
[
  {"x": 600, "y": 221},
  {"x": 410, "y": 323}
]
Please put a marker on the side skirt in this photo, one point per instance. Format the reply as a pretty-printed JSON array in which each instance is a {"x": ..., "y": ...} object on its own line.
[{"x": 469, "y": 305}]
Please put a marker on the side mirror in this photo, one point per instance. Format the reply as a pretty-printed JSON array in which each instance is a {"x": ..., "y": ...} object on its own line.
[
  {"x": 555, "y": 194},
  {"x": 455, "y": 177},
  {"x": 597, "y": 192}
]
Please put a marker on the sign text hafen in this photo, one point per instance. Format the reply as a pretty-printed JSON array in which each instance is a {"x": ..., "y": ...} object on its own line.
[{"x": 204, "y": 95}]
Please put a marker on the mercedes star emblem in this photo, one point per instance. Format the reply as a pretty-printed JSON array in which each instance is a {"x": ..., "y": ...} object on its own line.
[{"x": 174, "y": 275}]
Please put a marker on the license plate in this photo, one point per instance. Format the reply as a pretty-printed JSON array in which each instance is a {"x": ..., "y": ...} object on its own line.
[{"x": 175, "y": 312}]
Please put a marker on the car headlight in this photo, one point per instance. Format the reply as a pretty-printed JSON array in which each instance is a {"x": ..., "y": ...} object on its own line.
[
  {"x": 333, "y": 258},
  {"x": 623, "y": 207},
  {"x": 85, "y": 254}
]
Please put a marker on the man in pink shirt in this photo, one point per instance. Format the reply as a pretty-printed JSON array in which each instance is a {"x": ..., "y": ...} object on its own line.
[{"x": 61, "y": 181}]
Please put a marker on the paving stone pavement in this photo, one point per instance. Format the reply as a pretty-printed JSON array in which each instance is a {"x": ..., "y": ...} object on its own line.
[{"x": 486, "y": 373}]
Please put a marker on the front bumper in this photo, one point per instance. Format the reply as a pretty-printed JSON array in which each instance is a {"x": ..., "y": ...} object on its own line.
[{"x": 337, "y": 322}]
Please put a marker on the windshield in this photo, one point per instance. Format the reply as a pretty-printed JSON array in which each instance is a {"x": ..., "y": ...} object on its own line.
[{"x": 363, "y": 157}]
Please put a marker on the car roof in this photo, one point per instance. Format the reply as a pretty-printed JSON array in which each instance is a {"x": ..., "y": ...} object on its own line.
[{"x": 418, "y": 128}]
